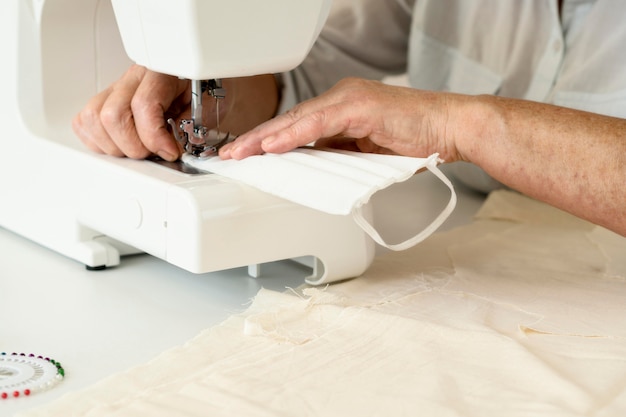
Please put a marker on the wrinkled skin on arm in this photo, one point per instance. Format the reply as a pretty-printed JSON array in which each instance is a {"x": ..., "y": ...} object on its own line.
[{"x": 570, "y": 159}]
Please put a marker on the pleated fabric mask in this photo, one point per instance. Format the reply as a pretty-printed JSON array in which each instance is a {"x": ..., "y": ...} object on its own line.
[{"x": 333, "y": 181}]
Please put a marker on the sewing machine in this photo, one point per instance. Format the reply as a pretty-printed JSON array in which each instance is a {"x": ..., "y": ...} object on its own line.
[{"x": 96, "y": 209}]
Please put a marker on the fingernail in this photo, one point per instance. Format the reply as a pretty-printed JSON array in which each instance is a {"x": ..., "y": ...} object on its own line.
[
  {"x": 224, "y": 152},
  {"x": 233, "y": 149},
  {"x": 268, "y": 141},
  {"x": 166, "y": 155}
]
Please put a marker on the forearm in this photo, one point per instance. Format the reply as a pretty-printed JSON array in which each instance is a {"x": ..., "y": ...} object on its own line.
[{"x": 570, "y": 159}]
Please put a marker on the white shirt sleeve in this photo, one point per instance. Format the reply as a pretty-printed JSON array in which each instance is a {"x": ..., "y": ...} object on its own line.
[{"x": 362, "y": 38}]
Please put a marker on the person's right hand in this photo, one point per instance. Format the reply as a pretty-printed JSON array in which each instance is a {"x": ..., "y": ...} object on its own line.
[{"x": 129, "y": 117}]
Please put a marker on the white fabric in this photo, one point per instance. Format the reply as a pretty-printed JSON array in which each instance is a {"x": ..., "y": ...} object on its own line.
[
  {"x": 519, "y": 314},
  {"x": 332, "y": 181}
]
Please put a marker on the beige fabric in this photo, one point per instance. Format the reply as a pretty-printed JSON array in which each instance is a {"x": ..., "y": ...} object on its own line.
[{"x": 520, "y": 313}]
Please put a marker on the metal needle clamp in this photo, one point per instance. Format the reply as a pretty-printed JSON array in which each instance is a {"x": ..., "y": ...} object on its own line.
[{"x": 195, "y": 138}]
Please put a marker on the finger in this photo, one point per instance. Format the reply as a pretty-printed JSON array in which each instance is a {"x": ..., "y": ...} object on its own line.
[
  {"x": 153, "y": 98},
  {"x": 88, "y": 127},
  {"x": 250, "y": 143},
  {"x": 339, "y": 111},
  {"x": 225, "y": 151},
  {"x": 331, "y": 121},
  {"x": 117, "y": 117},
  {"x": 285, "y": 133}
]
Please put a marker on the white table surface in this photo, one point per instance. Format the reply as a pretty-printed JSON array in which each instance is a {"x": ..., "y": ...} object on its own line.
[{"x": 97, "y": 323}]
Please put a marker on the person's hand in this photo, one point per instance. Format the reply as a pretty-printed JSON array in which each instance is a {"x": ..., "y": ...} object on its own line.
[
  {"x": 357, "y": 114},
  {"x": 129, "y": 117},
  {"x": 571, "y": 159}
]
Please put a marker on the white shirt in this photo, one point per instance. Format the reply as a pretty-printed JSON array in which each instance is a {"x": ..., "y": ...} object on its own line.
[{"x": 514, "y": 48}]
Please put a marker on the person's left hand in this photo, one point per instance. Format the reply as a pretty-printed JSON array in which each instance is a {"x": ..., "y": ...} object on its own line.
[{"x": 363, "y": 115}]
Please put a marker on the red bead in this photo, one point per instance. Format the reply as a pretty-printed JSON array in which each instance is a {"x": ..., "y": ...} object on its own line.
[
  {"x": 16, "y": 394},
  {"x": 27, "y": 392},
  {"x": 4, "y": 395}
]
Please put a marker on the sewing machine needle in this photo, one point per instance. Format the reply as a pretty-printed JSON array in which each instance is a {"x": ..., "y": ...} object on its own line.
[
  {"x": 217, "y": 116},
  {"x": 196, "y": 103}
]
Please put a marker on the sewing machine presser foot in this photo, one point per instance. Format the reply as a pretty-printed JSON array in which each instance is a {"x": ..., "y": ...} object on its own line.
[
  {"x": 200, "y": 143},
  {"x": 191, "y": 134}
]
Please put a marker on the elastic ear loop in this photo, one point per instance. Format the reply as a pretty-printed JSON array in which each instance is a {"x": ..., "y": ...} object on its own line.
[{"x": 430, "y": 229}]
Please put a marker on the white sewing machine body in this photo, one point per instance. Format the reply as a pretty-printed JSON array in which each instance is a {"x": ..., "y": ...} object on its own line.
[
  {"x": 94, "y": 208},
  {"x": 203, "y": 39}
]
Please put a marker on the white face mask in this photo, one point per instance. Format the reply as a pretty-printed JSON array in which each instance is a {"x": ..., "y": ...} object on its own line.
[{"x": 332, "y": 181}]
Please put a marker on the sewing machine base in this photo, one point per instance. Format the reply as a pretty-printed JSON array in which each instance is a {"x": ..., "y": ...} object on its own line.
[
  {"x": 101, "y": 208},
  {"x": 96, "y": 209}
]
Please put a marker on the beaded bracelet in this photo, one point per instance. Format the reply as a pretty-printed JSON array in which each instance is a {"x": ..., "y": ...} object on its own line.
[{"x": 22, "y": 374}]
